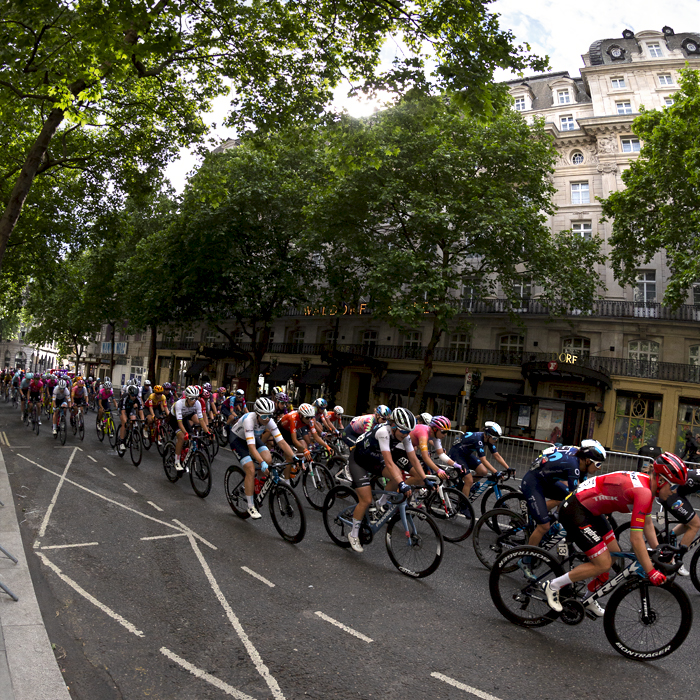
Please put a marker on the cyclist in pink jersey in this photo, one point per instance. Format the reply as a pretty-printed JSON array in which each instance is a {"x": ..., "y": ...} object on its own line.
[
  {"x": 423, "y": 435},
  {"x": 363, "y": 424}
]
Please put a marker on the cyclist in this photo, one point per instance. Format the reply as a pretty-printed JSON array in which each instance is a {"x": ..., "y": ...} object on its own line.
[
  {"x": 104, "y": 395},
  {"x": 322, "y": 423},
  {"x": 129, "y": 404},
  {"x": 36, "y": 387},
  {"x": 61, "y": 399},
  {"x": 186, "y": 412},
  {"x": 146, "y": 390},
  {"x": 423, "y": 419},
  {"x": 434, "y": 432},
  {"x": 282, "y": 402},
  {"x": 582, "y": 515},
  {"x": 24, "y": 391},
  {"x": 246, "y": 443},
  {"x": 156, "y": 404},
  {"x": 362, "y": 424},
  {"x": 470, "y": 453},
  {"x": 335, "y": 418},
  {"x": 78, "y": 396},
  {"x": 298, "y": 429},
  {"x": 375, "y": 454}
]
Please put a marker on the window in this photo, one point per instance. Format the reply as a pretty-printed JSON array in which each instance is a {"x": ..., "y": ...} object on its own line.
[
  {"x": 694, "y": 356},
  {"x": 188, "y": 337},
  {"x": 238, "y": 337},
  {"x": 297, "y": 337},
  {"x": 563, "y": 97},
  {"x": 581, "y": 347},
  {"x": 210, "y": 337},
  {"x": 521, "y": 292},
  {"x": 624, "y": 107},
  {"x": 637, "y": 422},
  {"x": 655, "y": 50},
  {"x": 688, "y": 421},
  {"x": 412, "y": 339},
  {"x": 696, "y": 294},
  {"x": 512, "y": 344},
  {"x": 520, "y": 104},
  {"x": 580, "y": 193},
  {"x": 631, "y": 145},
  {"x": 668, "y": 101},
  {"x": 567, "y": 123},
  {"x": 459, "y": 347},
  {"x": 582, "y": 228},
  {"x": 330, "y": 337},
  {"x": 643, "y": 350},
  {"x": 645, "y": 293},
  {"x": 665, "y": 79},
  {"x": 20, "y": 360},
  {"x": 577, "y": 158},
  {"x": 471, "y": 291},
  {"x": 618, "y": 83},
  {"x": 369, "y": 338},
  {"x": 7, "y": 358}
]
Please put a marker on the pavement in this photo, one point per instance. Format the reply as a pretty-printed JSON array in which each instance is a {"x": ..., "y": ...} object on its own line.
[{"x": 28, "y": 667}]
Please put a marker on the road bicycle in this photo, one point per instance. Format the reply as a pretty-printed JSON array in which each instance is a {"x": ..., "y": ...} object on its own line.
[
  {"x": 15, "y": 396},
  {"x": 132, "y": 441},
  {"x": 489, "y": 488},
  {"x": 61, "y": 427},
  {"x": 159, "y": 433},
  {"x": 105, "y": 426},
  {"x": 285, "y": 508},
  {"x": 316, "y": 480},
  {"x": 447, "y": 506},
  {"x": 35, "y": 414},
  {"x": 77, "y": 422},
  {"x": 413, "y": 541},
  {"x": 194, "y": 460},
  {"x": 641, "y": 621}
]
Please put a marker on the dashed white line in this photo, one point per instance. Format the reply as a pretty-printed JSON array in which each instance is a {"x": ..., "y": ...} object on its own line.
[
  {"x": 466, "y": 688},
  {"x": 131, "y": 488},
  {"x": 49, "y": 510},
  {"x": 347, "y": 629},
  {"x": 198, "y": 673},
  {"x": 165, "y": 537},
  {"x": 151, "y": 503},
  {"x": 79, "y": 589},
  {"x": 109, "y": 472},
  {"x": 92, "y": 458},
  {"x": 66, "y": 546},
  {"x": 258, "y": 576}
]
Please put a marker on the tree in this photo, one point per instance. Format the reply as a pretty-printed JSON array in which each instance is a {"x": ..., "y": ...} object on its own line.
[
  {"x": 113, "y": 89},
  {"x": 660, "y": 207},
  {"x": 428, "y": 198}
]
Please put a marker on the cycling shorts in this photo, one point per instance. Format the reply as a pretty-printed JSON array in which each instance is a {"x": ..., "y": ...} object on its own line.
[
  {"x": 25, "y": 391},
  {"x": 590, "y": 533},
  {"x": 105, "y": 404},
  {"x": 361, "y": 475},
  {"x": 537, "y": 491},
  {"x": 350, "y": 436},
  {"x": 467, "y": 461},
  {"x": 79, "y": 401},
  {"x": 35, "y": 396},
  {"x": 680, "y": 507},
  {"x": 186, "y": 422},
  {"x": 240, "y": 448}
]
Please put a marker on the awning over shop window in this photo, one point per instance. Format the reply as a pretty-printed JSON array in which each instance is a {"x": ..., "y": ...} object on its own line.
[
  {"x": 282, "y": 373},
  {"x": 492, "y": 389},
  {"x": 396, "y": 381},
  {"x": 245, "y": 374},
  {"x": 316, "y": 376},
  {"x": 445, "y": 385},
  {"x": 195, "y": 369}
]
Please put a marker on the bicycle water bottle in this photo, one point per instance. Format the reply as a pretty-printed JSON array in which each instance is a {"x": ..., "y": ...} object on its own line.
[
  {"x": 598, "y": 582},
  {"x": 258, "y": 485}
]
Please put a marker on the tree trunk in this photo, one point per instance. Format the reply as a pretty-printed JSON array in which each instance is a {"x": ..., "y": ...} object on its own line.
[
  {"x": 259, "y": 350},
  {"x": 152, "y": 355},
  {"x": 35, "y": 156},
  {"x": 111, "y": 353},
  {"x": 427, "y": 369}
]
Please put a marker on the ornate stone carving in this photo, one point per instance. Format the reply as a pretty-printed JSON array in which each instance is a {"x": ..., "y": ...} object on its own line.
[
  {"x": 607, "y": 144},
  {"x": 607, "y": 167}
]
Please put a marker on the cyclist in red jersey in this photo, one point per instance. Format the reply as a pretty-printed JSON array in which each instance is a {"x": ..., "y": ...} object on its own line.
[{"x": 583, "y": 516}]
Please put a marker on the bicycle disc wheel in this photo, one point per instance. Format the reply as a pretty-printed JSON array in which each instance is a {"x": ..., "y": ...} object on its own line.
[
  {"x": 171, "y": 473},
  {"x": 287, "y": 514},
  {"x": 136, "y": 446},
  {"x": 316, "y": 483},
  {"x": 488, "y": 500},
  {"x": 454, "y": 517},
  {"x": 200, "y": 474},
  {"x": 646, "y": 622},
  {"x": 337, "y": 514},
  {"x": 417, "y": 552},
  {"x": 235, "y": 491},
  {"x": 81, "y": 426},
  {"x": 516, "y": 593},
  {"x": 497, "y": 531},
  {"x": 62, "y": 429},
  {"x": 100, "y": 428}
]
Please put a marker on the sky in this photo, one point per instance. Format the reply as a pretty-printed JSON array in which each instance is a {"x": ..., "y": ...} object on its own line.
[{"x": 553, "y": 28}]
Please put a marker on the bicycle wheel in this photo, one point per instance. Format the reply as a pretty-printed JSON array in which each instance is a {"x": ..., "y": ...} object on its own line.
[
  {"x": 516, "y": 594},
  {"x": 62, "y": 428},
  {"x": 235, "y": 491},
  {"x": 337, "y": 514},
  {"x": 488, "y": 500},
  {"x": 111, "y": 432},
  {"x": 214, "y": 447},
  {"x": 200, "y": 474},
  {"x": 622, "y": 535},
  {"x": 497, "y": 531},
  {"x": 146, "y": 441},
  {"x": 220, "y": 437},
  {"x": 100, "y": 428},
  {"x": 416, "y": 552},
  {"x": 644, "y": 622},
  {"x": 161, "y": 442},
  {"x": 513, "y": 501},
  {"x": 136, "y": 445},
  {"x": 74, "y": 424},
  {"x": 81, "y": 426},
  {"x": 287, "y": 514},
  {"x": 336, "y": 464},
  {"x": 454, "y": 517},
  {"x": 37, "y": 417},
  {"x": 316, "y": 483},
  {"x": 171, "y": 473}
]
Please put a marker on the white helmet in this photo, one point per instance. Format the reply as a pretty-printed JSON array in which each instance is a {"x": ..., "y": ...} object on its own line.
[
  {"x": 264, "y": 406},
  {"x": 492, "y": 429},
  {"x": 192, "y": 392},
  {"x": 61, "y": 383},
  {"x": 338, "y": 410},
  {"x": 592, "y": 449},
  {"x": 307, "y": 410},
  {"x": 426, "y": 418},
  {"x": 403, "y": 419},
  {"x": 107, "y": 384}
]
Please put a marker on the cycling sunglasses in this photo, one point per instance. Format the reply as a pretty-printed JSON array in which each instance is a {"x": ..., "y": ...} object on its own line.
[{"x": 264, "y": 416}]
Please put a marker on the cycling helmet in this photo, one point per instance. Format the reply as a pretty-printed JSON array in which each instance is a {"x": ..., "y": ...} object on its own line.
[
  {"x": 191, "y": 392},
  {"x": 492, "y": 429},
  {"x": 307, "y": 410},
  {"x": 320, "y": 403},
  {"x": 158, "y": 389},
  {"x": 403, "y": 419},
  {"x": 29, "y": 375},
  {"x": 205, "y": 394},
  {"x": 338, "y": 410},
  {"x": 441, "y": 423},
  {"x": 671, "y": 468},
  {"x": 80, "y": 382},
  {"x": 147, "y": 382},
  {"x": 221, "y": 390},
  {"x": 61, "y": 383},
  {"x": 90, "y": 379},
  {"x": 278, "y": 389},
  {"x": 424, "y": 418},
  {"x": 131, "y": 382},
  {"x": 133, "y": 390},
  {"x": 207, "y": 386},
  {"x": 383, "y": 411},
  {"x": 107, "y": 384},
  {"x": 167, "y": 385},
  {"x": 282, "y": 397},
  {"x": 264, "y": 406},
  {"x": 240, "y": 392},
  {"x": 592, "y": 449}
]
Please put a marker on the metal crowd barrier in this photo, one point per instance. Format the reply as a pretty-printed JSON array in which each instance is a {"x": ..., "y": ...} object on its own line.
[
  {"x": 520, "y": 453},
  {"x": 625, "y": 462}
]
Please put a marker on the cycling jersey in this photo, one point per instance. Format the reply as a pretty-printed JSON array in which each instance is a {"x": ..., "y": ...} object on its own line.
[
  {"x": 334, "y": 418},
  {"x": 361, "y": 424},
  {"x": 368, "y": 451},
  {"x": 248, "y": 427},
  {"x": 79, "y": 393},
  {"x": 292, "y": 422},
  {"x": 105, "y": 394},
  {"x": 474, "y": 443},
  {"x": 157, "y": 401},
  {"x": 130, "y": 403},
  {"x": 182, "y": 410},
  {"x": 60, "y": 395},
  {"x": 692, "y": 485},
  {"x": 24, "y": 384},
  {"x": 421, "y": 437},
  {"x": 559, "y": 465},
  {"x": 35, "y": 386}
]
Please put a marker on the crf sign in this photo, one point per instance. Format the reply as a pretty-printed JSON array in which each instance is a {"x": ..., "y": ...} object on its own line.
[{"x": 552, "y": 366}]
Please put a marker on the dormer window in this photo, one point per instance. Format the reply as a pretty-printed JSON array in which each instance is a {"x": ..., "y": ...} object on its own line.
[
  {"x": 520, "y": 104},
  {"x": 654, "y": 49},
  {"x": 563, "y": 97}
]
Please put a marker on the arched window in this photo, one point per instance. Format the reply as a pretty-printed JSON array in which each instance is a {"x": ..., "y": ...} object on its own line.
[
  {"x": 20, "y": 360},
  {"x": 581, "y": 347},
  {"x": 7, "y": 358}
]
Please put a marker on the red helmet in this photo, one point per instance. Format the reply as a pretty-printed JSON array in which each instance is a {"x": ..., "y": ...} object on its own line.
[
  {"x": 671, "y": 468},
  {"x": 205, "y": 394}
]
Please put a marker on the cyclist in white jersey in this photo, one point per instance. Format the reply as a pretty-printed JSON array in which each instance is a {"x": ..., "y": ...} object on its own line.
[{"x": 184, "y": 413}]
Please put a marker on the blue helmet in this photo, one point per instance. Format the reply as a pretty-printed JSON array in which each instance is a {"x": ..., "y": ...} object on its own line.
[
  {"x": 383, "y": 411},
  {"x": 320, "y": 403}
]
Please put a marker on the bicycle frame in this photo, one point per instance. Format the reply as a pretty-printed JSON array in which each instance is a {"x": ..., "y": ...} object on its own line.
[{"x": 346, "y": 515}]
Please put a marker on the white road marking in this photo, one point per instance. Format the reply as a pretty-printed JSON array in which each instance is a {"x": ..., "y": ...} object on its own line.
[
  {"x": 92, "y": 458},
  {"x": 2, "y": 440},
  {"x": 4, "y": 434},
  {"x": 78, "y": 589},
  {"x": 349, "y": 630},
  {"x": 199, "y": 537},
  {"x": 66, "y": 546},
  {"x": 262, "y": 669},
  {"x": 49, "y": 510},
  {"x": 466, "y": 688},
  {"x": 109, "y": 472},
  {"x": 258, "y": 576},
  {"x": 165, "y": 537},
  {"x": 131, "y": 488},
  {"x": 151, "y": 503},
  {"x": 198, "y": 673}
]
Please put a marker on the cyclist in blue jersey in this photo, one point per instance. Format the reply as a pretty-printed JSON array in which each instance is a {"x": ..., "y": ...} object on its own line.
[
  {"x": 688, "y": 520},
  {"x": 470, "y": 453}
]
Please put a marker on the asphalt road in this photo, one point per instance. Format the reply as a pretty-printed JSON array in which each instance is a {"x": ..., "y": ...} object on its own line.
[{"x": 145, "y": 606}]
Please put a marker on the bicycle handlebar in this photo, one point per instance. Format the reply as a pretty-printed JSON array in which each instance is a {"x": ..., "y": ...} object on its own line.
[{"x": 665, "y": 559}]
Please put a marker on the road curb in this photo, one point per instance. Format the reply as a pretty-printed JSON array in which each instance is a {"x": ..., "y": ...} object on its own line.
[{"x": 28, "y": 667}]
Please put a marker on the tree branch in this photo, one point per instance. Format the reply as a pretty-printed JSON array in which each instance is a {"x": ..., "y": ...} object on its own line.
[{"x": 27, "y": 95}]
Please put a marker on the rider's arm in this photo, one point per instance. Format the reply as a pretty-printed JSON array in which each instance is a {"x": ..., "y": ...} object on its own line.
[
  {"x": 486, "y": 463},
  {"x": 639, "y": 545},
  {"x": 394, "y": 471},
  {"x": 500, "y": 460},
  {"x": 415, "y": 463}
]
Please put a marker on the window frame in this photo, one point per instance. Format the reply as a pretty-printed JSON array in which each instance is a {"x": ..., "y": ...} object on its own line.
[
  {"x": 581, "y": 228},
  {"x": 580, "y": 192},
  {"x": 508, "y": 347},
  {"x": 654, "y": 49},
  {"x": 618, "y": 87},
  {"x": 650, "y": 355},
  {"x": 583, "y": 351},
  {"x": 564, "y": 92},
  {"x": 624, "y": 107},
  {"x": 520, "y": 100},
  {"x": 632, "y": 141},
  {"x": 662, "y": 79},
  {"x": 413, "y": 339},
  {"x": 567, "y": 123},
  {"x": 644, "y": 282}
]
